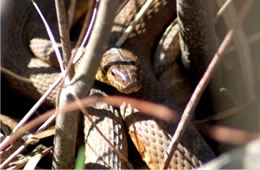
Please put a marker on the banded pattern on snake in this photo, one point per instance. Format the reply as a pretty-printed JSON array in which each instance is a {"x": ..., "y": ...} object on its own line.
[{"x": 150, "y": 135}]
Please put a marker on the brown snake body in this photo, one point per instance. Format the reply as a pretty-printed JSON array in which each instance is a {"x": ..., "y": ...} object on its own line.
[{"x": 150, "y": 136}]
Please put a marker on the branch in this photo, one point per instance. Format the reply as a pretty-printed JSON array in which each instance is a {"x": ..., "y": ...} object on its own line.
[
  {"x": 66, "y": 125},
  {"x": 85, "y": 75},
  {"x": 63, "y": 30},
  {"x": 64, "y": 149}
]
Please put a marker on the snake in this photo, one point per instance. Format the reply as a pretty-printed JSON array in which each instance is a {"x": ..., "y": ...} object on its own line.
[{"x": 151, "y": 136}]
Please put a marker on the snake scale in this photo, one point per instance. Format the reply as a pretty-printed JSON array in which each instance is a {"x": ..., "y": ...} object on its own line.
[{"x": 150, "y": 135}]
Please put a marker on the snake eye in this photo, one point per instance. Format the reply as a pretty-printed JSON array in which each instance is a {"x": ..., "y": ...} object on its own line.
[{"x": 112, "y": 72}]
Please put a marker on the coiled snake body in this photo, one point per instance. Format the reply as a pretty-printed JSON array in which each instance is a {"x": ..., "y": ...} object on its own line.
[{"x": 150, "y": 136}]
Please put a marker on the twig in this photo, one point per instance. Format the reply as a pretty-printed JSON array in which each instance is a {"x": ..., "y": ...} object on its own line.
[
  {"x": 189, "y": 110},
  {"x": 130, "y": 28},
  {"x": 54, "y": 44},
  {"x": 71, "y": 12},
  {"x": 84, "y": 111},
  {"x": 14, "y": 75},
  {"x": 47, "y": 123},
  {"x": 91, "y": 24},
  {"x": 66, "y": 124},
  {"x": 222, "y": 9},
  {"x": 32, "y": 139},
  {"x": 85, "y": 75},
  {"x": 79, "y": 48},
  {"x": 63, "y": 30},
  {"x": 14, "y": 154}
]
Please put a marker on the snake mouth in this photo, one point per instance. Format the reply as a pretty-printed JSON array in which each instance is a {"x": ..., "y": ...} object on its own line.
[{"x": 131, "y": 87}]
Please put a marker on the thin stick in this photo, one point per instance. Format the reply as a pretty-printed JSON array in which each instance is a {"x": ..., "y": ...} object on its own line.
[
  {"x": 84, "y": 111},
  {"x": 14, "y": 75},
  {"x": 71, "y": 12},
  {"x": 65, "y": 143},
  {"x": 47, "y": 123},
  {"x": 91, "y": 24},
  {"x": 37, "y": 104},
  {"x": 130, "y": 28},
  {"x": 222, "y": 9},
  {"x": 54, "y": 44},
  {"x": 13, "y": 155},
  {"x": 189, "y": 110},
  {"x": 64, "y": 31},
  {"x": 80, "y": 49}
]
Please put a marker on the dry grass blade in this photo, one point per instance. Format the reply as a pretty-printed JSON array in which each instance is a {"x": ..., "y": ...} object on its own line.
[
  {"x": 47, "y": 123},
  {"x": 13, "y": 155},
  {"x": 21, "y": 131},
  {"x": 32, "y": 163},
  {"x": 189, "y": 110},
  {"x": 32, "y": 139}
]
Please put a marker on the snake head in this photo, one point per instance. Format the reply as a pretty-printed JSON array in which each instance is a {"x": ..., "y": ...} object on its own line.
[{"x": 121, "y": 69}]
